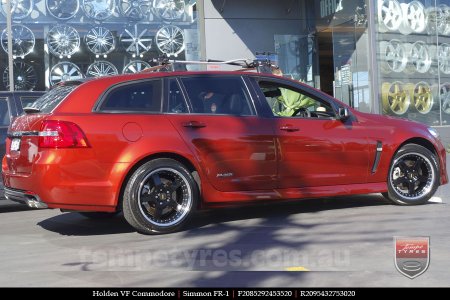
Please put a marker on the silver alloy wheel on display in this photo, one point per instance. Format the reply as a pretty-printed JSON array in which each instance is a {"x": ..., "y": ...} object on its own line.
[
  {"x": 25, "y": 78},
  {"x": 100, "y": 41},
  {"x": 20, "y": 9},
  {"x": 63, "y": 40},
  {"x": 169, "y": 10},
  {"x": 443, "y": 56},
  {"x": 393, "y": 56},
  {"x": 100, "y": 69},
  {"x": 23, "y": 40},
  {"x": 444, "y": 94},
  {"x": 164, "y": 197},
  {"x": 445, "y": 27},
  {"x": 136, "y": 40},
  {"x": 65, "y": 71},
  {"x": 62, "y": 9},
  {"x": 135, "y": 67},
  {"x": 170, "y": 40},
  {"x": 412, "y": 176},
  {"x": 98, "y": 9},
  {"x": 414, "y": 18},
  {"x": 135, "y": 9},
  {"x": 419, "y": 57},
  {"x": 436, "y": 20},
  {"x": 390, "y": 15}
]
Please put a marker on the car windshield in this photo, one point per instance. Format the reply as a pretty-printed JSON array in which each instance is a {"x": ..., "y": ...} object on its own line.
[{"x": 47, "y": 102}]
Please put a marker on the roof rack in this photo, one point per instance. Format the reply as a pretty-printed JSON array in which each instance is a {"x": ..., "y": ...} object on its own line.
[{"x": 262, "y": 64}]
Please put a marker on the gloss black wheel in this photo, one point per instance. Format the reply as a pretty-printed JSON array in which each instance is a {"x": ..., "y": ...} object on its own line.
[
  {"x": 160, "y": 197},
  {"x": 413, "y": 176}
]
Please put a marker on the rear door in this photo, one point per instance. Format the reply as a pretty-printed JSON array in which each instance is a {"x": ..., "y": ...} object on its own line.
[{"x": 234, "y": 146}]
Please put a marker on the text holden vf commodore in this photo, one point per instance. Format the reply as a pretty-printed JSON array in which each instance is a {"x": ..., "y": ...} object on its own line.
[{"x": 158, "y": 146}]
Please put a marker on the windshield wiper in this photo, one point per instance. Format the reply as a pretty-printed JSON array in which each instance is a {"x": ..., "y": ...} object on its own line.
[{"x": 31, "y": 110}]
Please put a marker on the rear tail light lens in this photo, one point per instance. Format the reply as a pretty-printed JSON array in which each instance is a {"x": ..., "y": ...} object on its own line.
[{"x": 61, "y": 134}]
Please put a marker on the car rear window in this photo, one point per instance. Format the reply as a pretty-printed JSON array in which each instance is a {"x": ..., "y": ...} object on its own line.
[{"x": 47, "y": 102}]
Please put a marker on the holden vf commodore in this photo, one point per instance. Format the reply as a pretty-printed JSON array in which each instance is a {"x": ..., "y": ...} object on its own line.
[{"x": 158, "y": 146}]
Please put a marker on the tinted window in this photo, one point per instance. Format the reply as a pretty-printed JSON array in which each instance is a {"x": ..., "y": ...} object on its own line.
[
  {"x": 218, "y": 95},
  {"x": 286, "y": 101},
  {"x": 176, "y": 100},
  {"x": 143, "y": 97},
  {"x": 4, "y": 112},
  {"x": 47, "y": 102}
]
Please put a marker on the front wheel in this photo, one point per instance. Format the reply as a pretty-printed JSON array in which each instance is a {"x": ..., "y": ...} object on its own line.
[
  {"x": 413, "y": 176},
  {"x": 160, "y": 197}
]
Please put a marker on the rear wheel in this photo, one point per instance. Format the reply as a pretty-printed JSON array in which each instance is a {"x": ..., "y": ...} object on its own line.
[
  {"x": 160, "y": 197},
  {"x": 413, "y": 176}
]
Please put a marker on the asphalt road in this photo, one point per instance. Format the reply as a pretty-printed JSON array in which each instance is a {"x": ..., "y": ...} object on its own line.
[{"x": 346, "y": 241}]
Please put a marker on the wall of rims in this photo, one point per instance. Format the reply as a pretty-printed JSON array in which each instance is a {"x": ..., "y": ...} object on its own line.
[
  {"x": 60, "y": 40},
  {"x": 414, "y": 59}
]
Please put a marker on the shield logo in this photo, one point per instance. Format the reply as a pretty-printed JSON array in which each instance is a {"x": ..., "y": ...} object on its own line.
[{"x": 412, "y": 255}]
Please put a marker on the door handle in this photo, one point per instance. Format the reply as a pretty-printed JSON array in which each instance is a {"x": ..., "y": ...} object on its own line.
[
  {"x": 289, "y": 128},
  {"x": 194, "y": 124}
]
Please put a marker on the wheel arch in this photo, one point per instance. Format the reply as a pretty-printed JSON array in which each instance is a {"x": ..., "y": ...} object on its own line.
[
  {"x": 175, "y": 156},
  {"x": 422, "y": 142}
]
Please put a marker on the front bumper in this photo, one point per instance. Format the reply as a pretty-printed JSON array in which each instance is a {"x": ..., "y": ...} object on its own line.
[{"x": 23, "y": 197}]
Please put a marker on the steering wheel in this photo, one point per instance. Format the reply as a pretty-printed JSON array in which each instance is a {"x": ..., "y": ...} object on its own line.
[{"x": 302, "y": 112}]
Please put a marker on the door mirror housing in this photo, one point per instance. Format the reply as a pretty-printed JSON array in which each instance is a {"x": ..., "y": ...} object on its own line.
[{"x": 343, "y": 113}]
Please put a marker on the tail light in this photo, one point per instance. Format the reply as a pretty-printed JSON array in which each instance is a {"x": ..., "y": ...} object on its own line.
[{"x": 61, "y": 134}]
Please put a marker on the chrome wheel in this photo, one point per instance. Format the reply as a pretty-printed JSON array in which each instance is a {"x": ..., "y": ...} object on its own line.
[
  {"x": 25, "y": 78},
  {"x": 390, "y": 15},
  {"x": 412, "y": 176},
  {"x": 101, "y": 68},
  {"x": 136, "y": 40},
  {"x": 394, "y": 56},
  {"x": 135, "y": 9},
  {"x": 170, "y": 40},
  {"x": 98, "y": 9},
  {"x": 396, "y": 99},
  {"x": 20, "y": 9},
  {"x": 135, "y": 67},
  {"x": 100, "y": 41},
  {"x": 419, "y": 57},
  {"x": 414, "y": 18},
  {"x": 444, "y": 94},
  {"x": 444, "y": 58},
  {"x": 169, "y": 10},
  {"x": 164, "y": 197},
  {"x": 22, "y": 41},
  {"x": 445, "y": 27},
  {"x": 436, "y": 20},
  {"x": 423, "y": 99},
  {"x": 63, "y": 41},
  {"x": 62, "y": 9},
  {"x": 65, "y": 71}
]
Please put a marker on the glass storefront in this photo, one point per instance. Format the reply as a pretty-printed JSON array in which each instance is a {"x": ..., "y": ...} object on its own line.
[{"x": 55, "y": 40}]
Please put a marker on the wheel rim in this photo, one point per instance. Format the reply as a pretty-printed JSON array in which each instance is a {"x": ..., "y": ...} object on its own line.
[
  {"x": 25, "y": 78},
  {"x": 390, "y": 15},
  {"x": 135, "y": 40},
  {"x": 135, "y": 67},
  {"x": 170, "y": 40},
  {"x": 65, "y": 71},
  {"x": 164, "y": 197},
  {"x": 98, "y": 9},
  {"x": 169, "y": 9},
  {"x": 135, "y": 9},
  {"x": 22, "y": 41},
  {"x": 412, "y": 176},
  {"x": 101, "y": 68},
  {"x": 445, "y": 97},
  {"x": 20, "y": 9},
  {"x": 63, "y": 41},
  {"x": 394, "y": 54},
  {"x": 100, "y": 40},
  {"x": 423, "y": 98},
  {"x": 395, "y": 98},
  {"x": 63, "y": 9},
  {"x": 444, "y": 58},
  {"x": 420, "y": 57}
]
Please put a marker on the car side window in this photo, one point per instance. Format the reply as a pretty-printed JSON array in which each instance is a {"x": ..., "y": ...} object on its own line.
[
  {"x": 144, "y": 96},
  {"x": 285, "y": 101},
  {"x": 218, "y": 95},
  {"x": 176, "y": 102},
  {"x": 4, "y": 112}
]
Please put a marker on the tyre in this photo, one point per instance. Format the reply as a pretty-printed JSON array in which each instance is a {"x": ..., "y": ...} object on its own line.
[
  {"x": 160, "y": 197},
  {"x": 98, "y": 215},
  {"x": 413, "y": 176}
]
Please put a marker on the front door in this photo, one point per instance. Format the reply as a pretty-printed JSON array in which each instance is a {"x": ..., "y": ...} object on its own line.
[{"x": 235, "y": 148}]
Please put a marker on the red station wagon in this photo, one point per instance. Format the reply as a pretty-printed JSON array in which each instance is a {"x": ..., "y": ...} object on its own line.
[{"x": 158, "y": 146}]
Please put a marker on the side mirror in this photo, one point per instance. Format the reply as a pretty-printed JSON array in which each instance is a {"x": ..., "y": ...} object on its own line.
[{"x": 343, "y": 113}]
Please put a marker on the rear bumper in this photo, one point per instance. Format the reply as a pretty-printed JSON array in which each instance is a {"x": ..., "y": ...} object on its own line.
[{"x": 23, "y": 197}]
